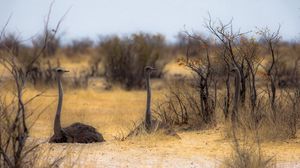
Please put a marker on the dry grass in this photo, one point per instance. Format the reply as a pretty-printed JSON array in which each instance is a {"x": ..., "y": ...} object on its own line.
[
  {"x": 108, "y": 111},
  {"x": 248, "y": 157},
  {"x": 113, "y": 113}
]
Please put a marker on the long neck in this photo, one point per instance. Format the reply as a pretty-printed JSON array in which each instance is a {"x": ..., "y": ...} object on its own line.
[
  {"x": 57, "y": 125},
  {"x": 148, "y": 110}
]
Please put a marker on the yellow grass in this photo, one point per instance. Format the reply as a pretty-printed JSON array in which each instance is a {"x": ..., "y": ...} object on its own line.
[
  {"x": 112, "y": 113},
  {"x": 108, "y": 111}
]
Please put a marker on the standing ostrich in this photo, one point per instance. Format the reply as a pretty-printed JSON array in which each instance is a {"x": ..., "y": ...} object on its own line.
[
  {"x": 151, "y": 125},
  {"x": 75, "y": 133},
  {"x": 148, "y": 117}
]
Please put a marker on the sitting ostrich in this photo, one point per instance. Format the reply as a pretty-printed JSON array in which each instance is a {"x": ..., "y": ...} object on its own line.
[{"x": 75, "y": 133}]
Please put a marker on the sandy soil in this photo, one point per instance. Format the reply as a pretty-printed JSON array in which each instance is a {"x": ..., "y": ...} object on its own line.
[
  {"x": 133, "y": 154},
  {"x": 195, "y": 149}
]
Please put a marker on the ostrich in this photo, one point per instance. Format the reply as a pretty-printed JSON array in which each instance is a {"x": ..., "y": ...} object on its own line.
[
  {"x": 148, "y": 117},
  {"x": 151, "y": 125},
  {"x": 75, "y": 133}
]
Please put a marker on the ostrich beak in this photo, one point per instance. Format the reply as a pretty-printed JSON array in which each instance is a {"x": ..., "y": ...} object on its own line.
[{"x": 60, "y": 70}]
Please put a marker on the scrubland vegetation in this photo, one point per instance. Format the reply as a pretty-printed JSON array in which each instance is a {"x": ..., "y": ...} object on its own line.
[{"x": 243, "y": 86}]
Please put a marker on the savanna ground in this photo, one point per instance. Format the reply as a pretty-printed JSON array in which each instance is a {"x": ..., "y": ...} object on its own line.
[{"x": 114, "y": 113}]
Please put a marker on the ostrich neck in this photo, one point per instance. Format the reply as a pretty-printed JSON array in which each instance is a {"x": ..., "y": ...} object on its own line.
[
  {"x": 148, "y": 111},
  {"x": 57, "y": 125}
]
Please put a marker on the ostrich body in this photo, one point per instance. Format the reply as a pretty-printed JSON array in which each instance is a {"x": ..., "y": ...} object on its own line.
[{"x": 75, "y": 133}]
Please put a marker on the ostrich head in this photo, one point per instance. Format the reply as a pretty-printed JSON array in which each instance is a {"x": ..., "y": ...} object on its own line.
[
  {"x": 149, "y": 69},
  {"x": 59, "y": 71}
]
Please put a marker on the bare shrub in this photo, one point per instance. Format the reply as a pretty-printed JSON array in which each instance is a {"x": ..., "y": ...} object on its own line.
[
  {"x": 248, "y": 156},
  {"x": 243, "y": 154},
  {"x": 12, "y": 139},
  {"x": 14, "y": 130},
  {"x": 288, "y": 70},
  {"x": 28, "y": 58},
  {"x": 52, "y": 45},
  {"x": 201, "y": 65},
  {"x": 181, "y": 106},
  {"x": 13, "y": 126},
  {"x": 125, "y": 58},
  {"x": 94, "y": 66},
  {"x": 185, "y": 42},
  {"x": 271, "y": 40},
  {"x": 15, "y": 149},
  {"x": 261, "y": 119},
  {"x": 79, "y": 47},
  {"x": 10, "y": 42},
  {"x": 80, "y": 80},
  {"x": 284, "y": 123},
  {"x": 139, "y": 129}
]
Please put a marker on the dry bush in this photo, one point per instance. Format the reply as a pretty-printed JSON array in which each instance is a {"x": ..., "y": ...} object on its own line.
[
  {"x": 80, "y": 80},
  {"x": 139, "y": 129},
  {"x": 248, "y": 156},
  {"x": 15, "y": 149},
  {"x": 181, "y": 106},
  {"x": 125, "y": 58},
  {"x": 44, "y": 76},
  {"x": 246, "y": 137},
  {"x": 79, "y": 47},
  {"x": 283, "y": 122},
  {"x": 50, "y": 47},
  {"x": 29, "y": 58},
  {"x": 10, "y": 42},
  {"x": 193, "y": 103},
  {"x": 288, "y": 71},
  {"x": 12, "y": 140},
  {"x": 13, "y": 126},
  {"x": 184, "y": 42},
  {"x": 280, "y": 124}
]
